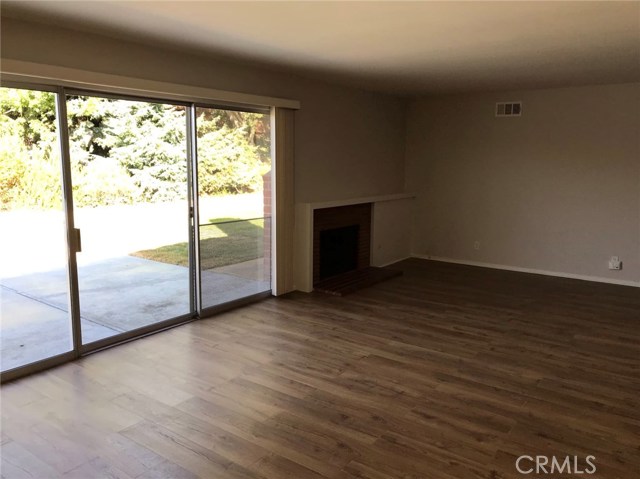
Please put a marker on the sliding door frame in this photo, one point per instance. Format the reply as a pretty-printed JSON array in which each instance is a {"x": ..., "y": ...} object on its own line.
[
  {"x": 194, "y": 211},
  {"x": 73, "y": 236},
  {"x": 83, "y": 349},
  {"x": 205, "y": 312},
  {"x": 73, "y": 353}
]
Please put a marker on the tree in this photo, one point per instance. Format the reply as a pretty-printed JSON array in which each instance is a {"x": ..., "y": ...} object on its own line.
[
  {"x": 233, "y": 151},
  {"x": 123, "y": 151},
  {"x": 139, "y": 145}
]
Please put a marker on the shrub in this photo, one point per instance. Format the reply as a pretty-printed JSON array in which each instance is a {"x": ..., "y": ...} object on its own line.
[{"x": 227, "y": 163}]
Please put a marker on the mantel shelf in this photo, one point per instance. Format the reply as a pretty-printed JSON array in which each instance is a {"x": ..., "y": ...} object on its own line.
[{"x": 357, "y": 201}]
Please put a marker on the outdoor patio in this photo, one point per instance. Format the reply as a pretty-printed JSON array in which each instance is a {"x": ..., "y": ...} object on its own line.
[
  {"x": 120, "y": 289},
  {"x": 117, "y": 294}
]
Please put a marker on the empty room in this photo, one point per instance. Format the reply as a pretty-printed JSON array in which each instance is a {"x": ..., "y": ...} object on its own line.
[{"x": 340, "y": 240}]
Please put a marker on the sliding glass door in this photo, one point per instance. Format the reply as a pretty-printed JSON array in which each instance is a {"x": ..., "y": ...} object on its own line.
[
  {"x": 234, "y": 197},
  {"x": 121, "y": 216},
  {"x": 130, "y": 196},
  {"x": 35, "y": 322}
]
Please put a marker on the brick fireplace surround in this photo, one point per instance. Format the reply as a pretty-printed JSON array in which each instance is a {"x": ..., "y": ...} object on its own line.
[{"x": 338, "y": 217}]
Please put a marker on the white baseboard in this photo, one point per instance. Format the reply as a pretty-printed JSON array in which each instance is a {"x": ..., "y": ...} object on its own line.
[
  {"x": 392, "y": 262},
  {"x": 582, "y": 277}
]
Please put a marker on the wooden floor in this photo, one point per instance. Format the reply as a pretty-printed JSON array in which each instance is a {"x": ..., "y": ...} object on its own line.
[{"x": 446, "y": 372}]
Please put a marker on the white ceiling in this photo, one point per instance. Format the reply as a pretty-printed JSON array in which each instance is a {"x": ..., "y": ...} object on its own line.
[{"x": 396, "y": 47}]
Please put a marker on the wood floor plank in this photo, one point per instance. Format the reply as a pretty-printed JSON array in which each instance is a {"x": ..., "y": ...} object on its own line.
[
  {"x": 201, "y": 461},
  {"x": 97, "y": 467},
  {"x": 277, "y": 467},
  {"x": 20, "y": 462}
]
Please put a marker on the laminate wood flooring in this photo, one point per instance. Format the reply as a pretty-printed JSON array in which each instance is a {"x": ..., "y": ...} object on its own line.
[{"x": 447, "y": 372}]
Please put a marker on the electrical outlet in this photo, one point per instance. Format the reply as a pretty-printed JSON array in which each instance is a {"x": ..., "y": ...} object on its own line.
[
  {"x": 615, "y": 263},
  {"x": 476, "y": 245}
]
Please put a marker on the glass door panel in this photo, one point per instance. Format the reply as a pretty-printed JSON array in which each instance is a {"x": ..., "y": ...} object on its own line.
[
  {"x": 35, "y": 322},
  {"x": 129, "y": 170},
  {"x": 234, "y": 194}
]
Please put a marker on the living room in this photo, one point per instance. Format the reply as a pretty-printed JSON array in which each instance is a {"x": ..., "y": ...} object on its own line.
[{"x": 496, "y": 146}]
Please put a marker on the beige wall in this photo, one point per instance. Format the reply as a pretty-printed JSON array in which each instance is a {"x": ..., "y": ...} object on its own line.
[
  {"x": 391, "y": 231},
  {"x": 557, "y": 189},
  {"x": 349, "y": 143}
]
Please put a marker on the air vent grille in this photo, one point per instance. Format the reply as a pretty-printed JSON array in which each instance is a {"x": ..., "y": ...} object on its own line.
[{"x": 509, "y": 108}]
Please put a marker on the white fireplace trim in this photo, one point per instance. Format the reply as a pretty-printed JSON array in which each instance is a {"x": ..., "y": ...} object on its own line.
[{"x": 390, "y": 232}]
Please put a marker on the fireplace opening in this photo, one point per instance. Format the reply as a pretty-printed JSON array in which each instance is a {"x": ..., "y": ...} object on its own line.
[
  {"x": 338, "y": 250},
  {"x": 341, "y": 241}
]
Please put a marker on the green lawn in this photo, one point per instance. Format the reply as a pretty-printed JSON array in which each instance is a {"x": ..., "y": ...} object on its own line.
[{"x": 226, "y": 241}]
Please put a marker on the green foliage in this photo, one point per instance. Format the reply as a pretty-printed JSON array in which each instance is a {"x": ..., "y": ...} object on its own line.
[
  {"x": 103, "y": 182},
  {"x": 29, "y": 157},
  {"x": 227, "y": 163},
  {"x": 12, "y": 168},
  {"x": 122, "y": 151},
  {"x": 233, "y": 151},
  {"x": 28, "y": 114},
  {"x": 144, "y": 144}
]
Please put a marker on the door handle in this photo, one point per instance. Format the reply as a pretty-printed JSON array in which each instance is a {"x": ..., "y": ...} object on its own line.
[{"x": 77, "y": 239}]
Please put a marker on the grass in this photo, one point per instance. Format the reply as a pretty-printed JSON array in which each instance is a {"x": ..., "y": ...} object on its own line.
[{"x": 226, "y": 241}]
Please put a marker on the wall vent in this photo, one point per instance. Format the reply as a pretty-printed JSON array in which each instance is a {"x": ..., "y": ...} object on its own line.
[{"x": 509, "y": 108}]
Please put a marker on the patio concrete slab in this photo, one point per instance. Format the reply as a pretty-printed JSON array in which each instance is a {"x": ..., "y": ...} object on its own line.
[
  {"x": 254, "y": 269},
  {"x": 220, "y": 288},
  {"x": 121, "y": 293},
  {"x": 116, "y": 295},
  {"x": 33, "y": 330}
]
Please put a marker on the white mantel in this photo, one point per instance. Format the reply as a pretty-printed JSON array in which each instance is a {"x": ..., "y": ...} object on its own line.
[
  {"x": 390, "y": 232},
  {"x": 358, "y": 201}
]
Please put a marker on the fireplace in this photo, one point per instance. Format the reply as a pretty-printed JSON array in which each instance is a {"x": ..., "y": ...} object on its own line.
[
  {"x": 383, "y": 238},
  {"x": 341, "y": 240}
]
